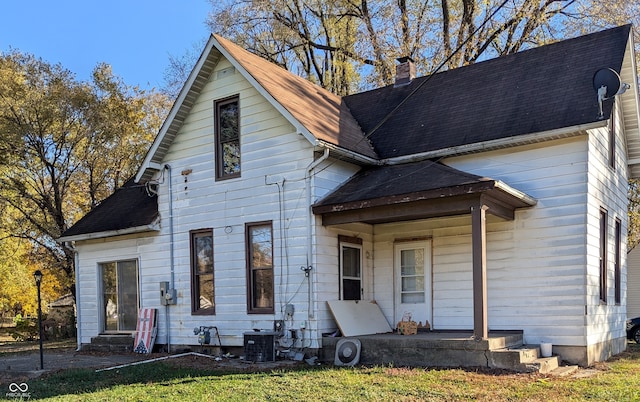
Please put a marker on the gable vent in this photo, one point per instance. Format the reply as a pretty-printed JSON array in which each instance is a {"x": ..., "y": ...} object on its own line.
[{"x": 225, "y": 72}]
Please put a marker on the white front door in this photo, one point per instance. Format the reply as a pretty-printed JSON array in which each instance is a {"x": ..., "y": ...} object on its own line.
[{"x": 412, "y": 266}]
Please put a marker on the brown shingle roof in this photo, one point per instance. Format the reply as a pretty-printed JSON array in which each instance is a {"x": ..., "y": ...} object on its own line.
[{"x": 323, "y": 113}]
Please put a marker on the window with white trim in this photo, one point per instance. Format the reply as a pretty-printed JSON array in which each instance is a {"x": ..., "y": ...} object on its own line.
[{"x": 350, "y": 268}]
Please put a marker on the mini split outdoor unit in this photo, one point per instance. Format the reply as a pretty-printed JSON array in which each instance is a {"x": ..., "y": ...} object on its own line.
[{"x": 259, "y": 346}]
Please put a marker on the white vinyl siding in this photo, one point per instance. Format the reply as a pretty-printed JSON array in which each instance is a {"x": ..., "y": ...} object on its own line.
[
  {"x": 271, "y": 188},
  {"x": 535, "y": 264},
  {"x": 607, "y": 189},
  {"x": 633, "y": 283},
  {"x": 271, "y": 151}
]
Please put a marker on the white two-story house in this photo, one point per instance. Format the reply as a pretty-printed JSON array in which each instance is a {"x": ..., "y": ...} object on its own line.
[{"x": 488, "y": 197}]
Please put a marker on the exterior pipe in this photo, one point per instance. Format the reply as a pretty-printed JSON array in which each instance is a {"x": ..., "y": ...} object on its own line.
[
  {"x": 310, "y": 273},
  {"x": 171, "y": 257},
  {"x": 76, "y": 262}
]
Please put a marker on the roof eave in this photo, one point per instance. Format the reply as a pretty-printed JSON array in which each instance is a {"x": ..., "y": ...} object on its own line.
[
  {"x": 491, "y": 145},
  {"x": 524, "y": 198},
  {"x": 180, "y": 107},
  {"x": 631, "y": 108},
  {"x": 152, "y": 227}
]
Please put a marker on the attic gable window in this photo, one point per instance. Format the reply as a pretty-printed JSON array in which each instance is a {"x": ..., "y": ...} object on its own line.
[{"x": 227, "y": 115}]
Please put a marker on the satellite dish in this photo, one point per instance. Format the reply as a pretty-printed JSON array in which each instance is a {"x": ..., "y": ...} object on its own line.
[
  {"x": 607, "y": 84},
  {"x": 609, "y": 79}
]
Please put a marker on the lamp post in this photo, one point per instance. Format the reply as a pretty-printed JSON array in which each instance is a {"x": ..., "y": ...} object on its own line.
[{"x": 38, "y": 277}]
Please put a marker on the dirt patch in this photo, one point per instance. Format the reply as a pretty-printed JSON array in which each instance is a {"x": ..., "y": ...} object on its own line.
[
  {"x": 25, "y": 363},
  {"x": 235, "y": 364}
]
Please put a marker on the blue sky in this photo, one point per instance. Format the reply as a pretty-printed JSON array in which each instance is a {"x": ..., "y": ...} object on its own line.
[{"x": 136, "y": 37}]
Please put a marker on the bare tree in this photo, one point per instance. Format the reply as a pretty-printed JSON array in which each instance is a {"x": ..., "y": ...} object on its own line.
[{"x": 359, "y": 40}]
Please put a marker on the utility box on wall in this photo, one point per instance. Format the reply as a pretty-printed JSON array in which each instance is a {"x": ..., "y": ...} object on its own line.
[
  {"x": 167, "y": 295},
  {"x": 259, "y": 346}
]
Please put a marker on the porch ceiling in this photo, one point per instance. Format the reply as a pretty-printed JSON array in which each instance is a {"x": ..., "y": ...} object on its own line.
[{"x": 417, "y": 191}]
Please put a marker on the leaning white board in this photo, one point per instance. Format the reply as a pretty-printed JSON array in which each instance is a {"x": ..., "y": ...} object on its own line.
[{"x": 359, "y": 317}]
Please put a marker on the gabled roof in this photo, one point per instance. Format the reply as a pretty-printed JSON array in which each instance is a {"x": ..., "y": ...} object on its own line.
[
  {"x": 527, "y": 96},
  {"x": 534, "y": 91},
  {"x": 318, "y": 114},
  {"x": 531, "y": 96},
  {"x": 130, "y": 209}
]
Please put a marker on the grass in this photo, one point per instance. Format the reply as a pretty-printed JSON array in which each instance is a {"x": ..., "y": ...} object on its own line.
[{"x": 616, "y": 380}]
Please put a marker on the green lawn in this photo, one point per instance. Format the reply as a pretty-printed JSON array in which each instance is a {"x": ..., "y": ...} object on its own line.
[{"x": 616, "y": 380}]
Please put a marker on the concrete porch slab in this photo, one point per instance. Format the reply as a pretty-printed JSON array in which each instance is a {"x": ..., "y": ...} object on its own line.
[{"x": 431, "y": 349}]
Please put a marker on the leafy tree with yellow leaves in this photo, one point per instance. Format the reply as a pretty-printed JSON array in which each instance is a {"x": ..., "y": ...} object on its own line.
[{"x": 64, "y": 146}]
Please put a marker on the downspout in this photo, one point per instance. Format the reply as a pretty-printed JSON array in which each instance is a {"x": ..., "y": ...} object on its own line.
[
  {"x": 76, "y": 262},
  {"x": 171, "y": 258},
  {"x": 308, "y": 269}
]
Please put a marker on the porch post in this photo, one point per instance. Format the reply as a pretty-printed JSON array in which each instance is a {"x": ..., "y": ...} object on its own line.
[{"x": 479, "y": 245}]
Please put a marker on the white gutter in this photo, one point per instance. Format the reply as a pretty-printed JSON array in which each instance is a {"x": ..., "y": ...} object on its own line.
[
  {"x": 349, "y": 154},
  {"x": 495, "y": 144},
  {"x": 515, "y": 193},
  {"x": 309, "y": 267},
  {"x": 152, "y": 227}
]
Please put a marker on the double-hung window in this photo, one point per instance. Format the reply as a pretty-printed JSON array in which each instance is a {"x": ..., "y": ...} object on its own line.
[
  {"x": 350, "y": 268},
  {"x": 202, "y": 289},
  {"x": 260, "y": 290}
]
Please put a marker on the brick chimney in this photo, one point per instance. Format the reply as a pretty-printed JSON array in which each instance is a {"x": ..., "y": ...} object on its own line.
[{"x": 405, "y": 71}]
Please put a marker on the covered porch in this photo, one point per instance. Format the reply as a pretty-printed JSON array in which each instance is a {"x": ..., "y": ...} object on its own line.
[{"x": 423, "y": 190}]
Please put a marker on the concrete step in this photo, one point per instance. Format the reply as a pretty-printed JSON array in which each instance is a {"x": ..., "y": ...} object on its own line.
[
  {"x": 545, "y": 365},
  {"x": 110, "y": 343},
  {"x": 505, "y": 341},
  {"x": 517, "y": 359},
  {"x": 524, "y": 359},
  {"x": 563, "y": 371}
]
